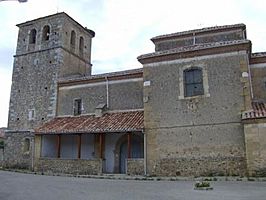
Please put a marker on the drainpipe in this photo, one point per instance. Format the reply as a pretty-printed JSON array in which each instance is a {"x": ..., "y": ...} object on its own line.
[
  {"x": 194, "y": 39},
  {"x": 145, "y": 154},
  {"x": 249, "y": 78},
  {"x": 107, "y": 92},
  {"x": 32, "y": 153}
]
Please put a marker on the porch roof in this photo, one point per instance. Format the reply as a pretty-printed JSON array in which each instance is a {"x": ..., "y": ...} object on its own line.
[
  {"x": 131, "y": 121},
  {"x": 258, "y": 111}
]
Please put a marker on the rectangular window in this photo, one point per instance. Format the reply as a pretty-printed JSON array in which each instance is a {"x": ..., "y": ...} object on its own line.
[
  {"x": 77, "y": 107},
  {"x": 193, "y": 82},
  {"x": 31, "y": 114}
]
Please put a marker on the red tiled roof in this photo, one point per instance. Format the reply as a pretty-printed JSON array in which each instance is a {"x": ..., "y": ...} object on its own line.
[
  {"x": 108, "y": 123},
  {"x": 194, "y": 48},
  {"x": 258, "y": 111},
  {"x": 100, "y": 76}
]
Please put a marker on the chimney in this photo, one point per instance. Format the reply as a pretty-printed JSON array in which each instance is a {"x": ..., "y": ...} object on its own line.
[{"x": 99, "y": 110}]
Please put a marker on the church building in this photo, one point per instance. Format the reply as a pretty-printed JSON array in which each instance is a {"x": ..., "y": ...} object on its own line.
[{"x": 196, "y": 108}]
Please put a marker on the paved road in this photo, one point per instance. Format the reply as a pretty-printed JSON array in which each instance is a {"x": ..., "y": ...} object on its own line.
[{"x": 16, "y": 186}]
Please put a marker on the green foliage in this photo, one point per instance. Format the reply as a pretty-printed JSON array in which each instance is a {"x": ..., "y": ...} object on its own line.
[{"x": 202, "y": 184}]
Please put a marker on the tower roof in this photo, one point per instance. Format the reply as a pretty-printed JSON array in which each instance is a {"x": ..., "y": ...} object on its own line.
[{"x": 91, "y": 32}]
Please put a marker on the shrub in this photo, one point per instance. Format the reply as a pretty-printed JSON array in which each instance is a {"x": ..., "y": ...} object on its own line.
[{"x": 202, "y": 184}]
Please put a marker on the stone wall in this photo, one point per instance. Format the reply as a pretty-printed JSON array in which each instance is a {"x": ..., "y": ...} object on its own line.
[
  {"x": 255, "y": 139},
  {"x": 200, "y": 127},
  {"x": 258, "y": 75},
  {"x": 17, "y": 153},
  {"x": 36, "y": 69},
  {"x": 123, "y": 95},
  {"x": 190, "y": 39},
  {"x": 135, "y": 166},
  {"x": 200, "y": 166},
  {"x": 75, "y": 166}
]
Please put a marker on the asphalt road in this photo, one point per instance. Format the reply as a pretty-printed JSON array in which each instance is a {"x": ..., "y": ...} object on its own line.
[{"x": 17, "y": 186}]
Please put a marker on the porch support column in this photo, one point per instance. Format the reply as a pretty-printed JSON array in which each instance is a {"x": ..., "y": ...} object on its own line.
[
  {"x": 145, "y": 154},
  {"x": 79, "y": 146},
  {"x": 58, "y": 145},
  {"x": 129, "y": 145},
  {"x": 101, "y": 145}
]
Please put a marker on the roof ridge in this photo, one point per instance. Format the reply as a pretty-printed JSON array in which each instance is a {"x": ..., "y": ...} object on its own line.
[
  {"x": 201, "y": 30},
  {"x": 198, "y": 46},
  {"x": 258, "y": 54},
  {"x": 108, "y": 74}
]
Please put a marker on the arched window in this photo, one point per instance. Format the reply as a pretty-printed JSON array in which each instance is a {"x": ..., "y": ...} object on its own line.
[
  {"x": 73, "y": 39},
  {"x": 81, "y": 45},
  {"x": 26, "y": 145},
  {"x": 32, "y": 39},
  {"x": 193, "y": 82},
  {"x": 45, "y": 33}
]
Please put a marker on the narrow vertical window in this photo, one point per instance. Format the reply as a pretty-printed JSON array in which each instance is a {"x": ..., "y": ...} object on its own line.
[
  {"x": 26, "y": 145},
  {"x": 31, "y": 114},
  {"x": 77, "y": 107},
  {"x": 73, "y": 39},
  {"x": 32, "y": 39},
  {"x": 81, "y": 46},
  {"x": 46, "y": 33},
  {"x": 193, "y": 82}
]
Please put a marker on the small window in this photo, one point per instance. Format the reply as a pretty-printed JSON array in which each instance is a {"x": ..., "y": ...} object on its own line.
[
  {"x": 77, "y": 106},
  {"x": 193, "y": 82},
  {"x": 26, "y": 145},
  {"x": 46, "y": 33},
  {"x": 32, "y": 39},
  {"x": 81, "y": 46},
  {"x": 31, "y": 114},
  {"x": 73, "y": 39}
]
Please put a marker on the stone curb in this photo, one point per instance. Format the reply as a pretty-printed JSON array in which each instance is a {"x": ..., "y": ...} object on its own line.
[{"x": 142, "y": 178}]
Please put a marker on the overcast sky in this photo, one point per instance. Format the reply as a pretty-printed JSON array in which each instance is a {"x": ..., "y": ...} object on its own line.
[{"x": 124, "y": 28}]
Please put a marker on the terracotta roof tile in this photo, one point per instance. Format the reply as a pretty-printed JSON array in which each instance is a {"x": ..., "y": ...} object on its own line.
[
  {"x": 108, "y": 123},
  {"x": 258, "y": 54},
  {"x": 193, "y": 48},
  {"x": 258, "y": 111},
  {"x": 97, "y": 76}
]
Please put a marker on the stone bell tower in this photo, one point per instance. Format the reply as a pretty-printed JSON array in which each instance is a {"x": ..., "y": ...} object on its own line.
[{"x": 48, "y": 48}]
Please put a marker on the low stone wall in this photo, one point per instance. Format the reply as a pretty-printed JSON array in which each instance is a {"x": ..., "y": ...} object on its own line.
[
  {"x": 135, "y": 166},
  {"x": 204, "y": 166},
  {"x": 15, "y": 154},
  {"x": 67, "y": 166},
  {"x": 255, "y": 139}
]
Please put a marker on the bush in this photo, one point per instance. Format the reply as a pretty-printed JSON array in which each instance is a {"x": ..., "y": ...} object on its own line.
[{"x": 202, "y": 184}]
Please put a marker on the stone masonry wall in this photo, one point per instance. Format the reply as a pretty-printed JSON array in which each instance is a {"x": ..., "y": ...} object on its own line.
[
  {"x": 33, "y": 88},
  {"x": 16, "y": 154},
  {"x": 193, "y": 129},
  {"x": 122, "y": 96},
  {"x": 201, "y": 38},
  {"x": 255, "y": 139},
  {"x": 37, "y": 67},
  {"x": 200, "y": 166},
  {"x": 258, "y": 75},
  {"x": 135, "y": 166},
  {"x": 77, "y": 166}
]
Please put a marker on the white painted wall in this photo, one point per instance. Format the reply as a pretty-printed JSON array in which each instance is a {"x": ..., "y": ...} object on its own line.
[
  {"x": 48, "y": 148},
  {"x": 87, "y": 147},
  {"x": 69, "y": 146},
  {"x": 110, "y": 142}
]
